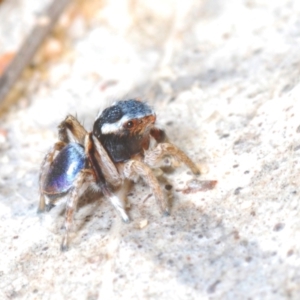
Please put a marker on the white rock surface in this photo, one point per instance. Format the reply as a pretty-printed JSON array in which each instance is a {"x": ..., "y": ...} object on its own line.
[{"x": 224, "y": 79}]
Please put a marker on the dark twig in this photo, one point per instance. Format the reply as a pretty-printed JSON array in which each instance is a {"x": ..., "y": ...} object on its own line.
[{"x": 44, "y": 24}]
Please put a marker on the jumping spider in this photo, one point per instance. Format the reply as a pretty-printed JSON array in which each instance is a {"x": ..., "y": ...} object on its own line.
[{"x": 117, "y": 151}]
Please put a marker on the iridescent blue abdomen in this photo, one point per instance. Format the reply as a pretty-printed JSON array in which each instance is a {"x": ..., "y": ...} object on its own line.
[{"x": 64, "y": 169}]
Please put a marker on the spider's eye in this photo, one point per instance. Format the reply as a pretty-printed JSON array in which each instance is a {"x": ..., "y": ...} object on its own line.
[{"x": 128, "y": 124}]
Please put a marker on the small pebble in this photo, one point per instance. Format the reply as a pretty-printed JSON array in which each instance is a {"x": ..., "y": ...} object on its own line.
[{"x": 143, "y": 223}]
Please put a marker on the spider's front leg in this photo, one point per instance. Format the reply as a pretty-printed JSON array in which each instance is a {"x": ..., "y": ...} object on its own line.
[
  {"x": 117, "y": 199},
  {"x": 106, "y": 175},
  {"x": 134, "y": 168},
  {"x": 165, "y": 148}
]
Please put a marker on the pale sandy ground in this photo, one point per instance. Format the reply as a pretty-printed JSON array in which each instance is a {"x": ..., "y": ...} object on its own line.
[{"x": 224, "y": 79}]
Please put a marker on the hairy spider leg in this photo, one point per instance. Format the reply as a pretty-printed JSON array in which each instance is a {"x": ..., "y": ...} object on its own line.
[
  {"x": 46, "y": 163},
  {"x": 66, "y": 175},
  {"x": 70, "y": 130},
  {"x": 101, "y": 181},
  {"x": 153, "y": 157},
  {"x": 107, "y": 166},
  {"x": 85, "y": 176},
  {"x": 134, "y": 168}
]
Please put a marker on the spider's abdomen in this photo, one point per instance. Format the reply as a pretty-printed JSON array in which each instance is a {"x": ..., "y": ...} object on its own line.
[{"x": 64, "y": 169}]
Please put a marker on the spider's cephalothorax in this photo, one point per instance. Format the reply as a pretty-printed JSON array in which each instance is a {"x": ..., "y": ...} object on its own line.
[
  {"x": 116, "y": 151},
  {"x": 124, "y": 129}
]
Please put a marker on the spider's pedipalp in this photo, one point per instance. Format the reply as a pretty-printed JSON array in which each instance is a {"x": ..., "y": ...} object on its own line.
[{"x": 159, "y": 135}]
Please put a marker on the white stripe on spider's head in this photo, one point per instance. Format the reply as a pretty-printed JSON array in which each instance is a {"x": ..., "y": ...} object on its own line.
[{"x": 114, "y": 127}]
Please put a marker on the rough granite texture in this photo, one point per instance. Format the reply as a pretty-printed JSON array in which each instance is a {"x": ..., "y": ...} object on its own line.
[{"x": 223, "y": 77}]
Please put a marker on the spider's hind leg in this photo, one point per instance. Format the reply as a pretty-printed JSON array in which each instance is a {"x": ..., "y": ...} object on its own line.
[
  {"x": 84, "y": 178},
  {"x": 70, "y": 130},
  {"x": 44, "y": 170},
  {"x": 66, "y": 174}
]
